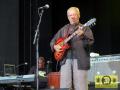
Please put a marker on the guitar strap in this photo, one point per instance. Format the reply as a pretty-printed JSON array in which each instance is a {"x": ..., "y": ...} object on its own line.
[
  {"x": 67, "y": 33},
  {"x": 71, "y": 29}
]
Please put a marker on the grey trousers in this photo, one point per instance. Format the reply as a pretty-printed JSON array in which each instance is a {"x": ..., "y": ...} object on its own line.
[{"x": 71, "y": 76}]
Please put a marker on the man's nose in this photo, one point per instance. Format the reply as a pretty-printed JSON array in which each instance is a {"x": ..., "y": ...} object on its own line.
[{"x": 72, "y": 17}]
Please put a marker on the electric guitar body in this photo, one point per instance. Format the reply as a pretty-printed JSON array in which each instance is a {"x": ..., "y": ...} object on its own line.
[{"x": 59, "y": 55}]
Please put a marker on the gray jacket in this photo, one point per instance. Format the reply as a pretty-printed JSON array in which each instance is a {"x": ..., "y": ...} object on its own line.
[{"x": 80, "y": 45}]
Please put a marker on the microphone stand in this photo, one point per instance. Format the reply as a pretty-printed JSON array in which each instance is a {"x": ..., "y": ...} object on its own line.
[{"x": 36, "y": 41}]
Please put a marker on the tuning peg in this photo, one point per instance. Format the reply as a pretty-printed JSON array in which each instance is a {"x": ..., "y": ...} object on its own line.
[{"x": 94, "y": 23}]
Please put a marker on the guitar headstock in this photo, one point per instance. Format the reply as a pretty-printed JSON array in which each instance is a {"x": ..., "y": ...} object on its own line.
[{"x": 91, "y": 22}]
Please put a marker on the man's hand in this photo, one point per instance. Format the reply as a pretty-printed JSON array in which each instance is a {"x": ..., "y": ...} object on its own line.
[
  {"x": 79, "y": 31},
  {"x": 57, "y": 48}
]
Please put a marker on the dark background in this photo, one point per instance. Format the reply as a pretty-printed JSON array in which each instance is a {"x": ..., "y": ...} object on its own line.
[
  {"x": 19, "y": 20},
  {"x": 9, "y": 32}
]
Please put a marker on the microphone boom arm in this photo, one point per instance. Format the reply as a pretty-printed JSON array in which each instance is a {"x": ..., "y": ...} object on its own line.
[{"x": 37, "y": 30}]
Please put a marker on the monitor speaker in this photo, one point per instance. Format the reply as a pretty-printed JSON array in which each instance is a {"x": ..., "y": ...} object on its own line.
[{"x": 104, "y": 68}]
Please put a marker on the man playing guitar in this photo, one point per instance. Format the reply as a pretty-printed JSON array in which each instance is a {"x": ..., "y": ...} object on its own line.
[{"x": 71, "y": 46}]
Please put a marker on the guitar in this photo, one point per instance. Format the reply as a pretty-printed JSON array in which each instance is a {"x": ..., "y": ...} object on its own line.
[{"x": 63, "y": 41}]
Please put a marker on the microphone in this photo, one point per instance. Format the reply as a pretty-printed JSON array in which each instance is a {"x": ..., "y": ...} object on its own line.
[
  {"x": 25, "y": 63},
  {"x": 46, "y": 6},
  {"x": 49, "y": 62}
]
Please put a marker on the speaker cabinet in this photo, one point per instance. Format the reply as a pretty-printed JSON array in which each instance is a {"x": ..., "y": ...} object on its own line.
[{"x": 104, "y": 68}]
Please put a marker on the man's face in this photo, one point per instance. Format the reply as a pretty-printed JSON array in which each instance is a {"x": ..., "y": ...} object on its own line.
[
  {"x": 40, "y": 64},
  {"x": 73, "y": 16}
]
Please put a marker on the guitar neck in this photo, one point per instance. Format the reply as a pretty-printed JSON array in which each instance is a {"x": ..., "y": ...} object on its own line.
[{"x": 72, "y": 35}]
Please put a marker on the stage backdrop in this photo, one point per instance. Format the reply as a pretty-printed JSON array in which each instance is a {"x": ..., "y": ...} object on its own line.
[{"x": 9, "y": 25}]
